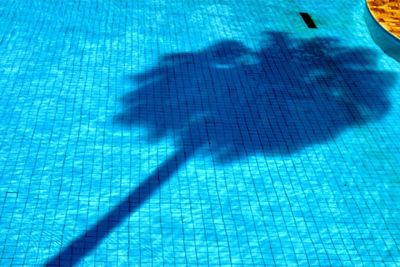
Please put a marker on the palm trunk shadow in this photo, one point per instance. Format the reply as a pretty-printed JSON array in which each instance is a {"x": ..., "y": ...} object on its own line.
[{"x": 91, "y": 238}]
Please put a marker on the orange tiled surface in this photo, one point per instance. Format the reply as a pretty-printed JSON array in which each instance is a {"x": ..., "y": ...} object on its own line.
[{"x": 387, "y": 13}]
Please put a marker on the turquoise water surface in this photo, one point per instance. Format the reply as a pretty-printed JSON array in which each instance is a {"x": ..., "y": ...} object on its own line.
[{"x": 193, "y": 132}]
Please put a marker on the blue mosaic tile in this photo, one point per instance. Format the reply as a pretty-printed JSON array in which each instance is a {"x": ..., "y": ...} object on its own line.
[{"x": 196, "y": 133}]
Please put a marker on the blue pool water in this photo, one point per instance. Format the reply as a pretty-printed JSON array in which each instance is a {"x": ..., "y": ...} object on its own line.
[{"x": 193, "y": 132}]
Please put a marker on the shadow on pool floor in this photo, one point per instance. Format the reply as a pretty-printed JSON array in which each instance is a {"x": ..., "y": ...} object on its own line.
[{"x": 290, "y": 94}]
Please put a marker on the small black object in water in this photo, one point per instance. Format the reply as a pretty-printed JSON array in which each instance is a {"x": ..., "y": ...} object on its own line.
[{"x": 308, "y": 20}]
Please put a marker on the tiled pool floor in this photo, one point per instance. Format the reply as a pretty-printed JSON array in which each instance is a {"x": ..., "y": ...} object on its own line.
[{"x": 205, "y": 133}]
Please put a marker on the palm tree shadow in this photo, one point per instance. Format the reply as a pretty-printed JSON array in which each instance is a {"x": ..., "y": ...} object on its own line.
[{"x": 289, "y": 95}]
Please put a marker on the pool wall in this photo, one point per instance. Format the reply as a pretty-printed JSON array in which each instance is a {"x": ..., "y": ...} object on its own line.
[{"x": 389, "y": 43}]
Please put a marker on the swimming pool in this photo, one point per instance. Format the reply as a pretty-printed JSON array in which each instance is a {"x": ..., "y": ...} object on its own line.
[{"x": 206, "y": 132}]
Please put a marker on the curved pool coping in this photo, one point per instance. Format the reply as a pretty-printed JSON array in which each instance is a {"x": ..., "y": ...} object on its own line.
[{"x": 389, "y": 42}]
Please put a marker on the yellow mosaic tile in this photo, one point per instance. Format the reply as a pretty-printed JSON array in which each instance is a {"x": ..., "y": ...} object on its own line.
[{"x": 387, "y": 13}]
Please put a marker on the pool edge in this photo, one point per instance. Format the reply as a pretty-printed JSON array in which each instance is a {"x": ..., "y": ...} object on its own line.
[{"x": 386, "y": 40}]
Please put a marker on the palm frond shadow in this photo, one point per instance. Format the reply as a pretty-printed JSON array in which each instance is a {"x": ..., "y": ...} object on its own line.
[{"x": 290, "y": 94}]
